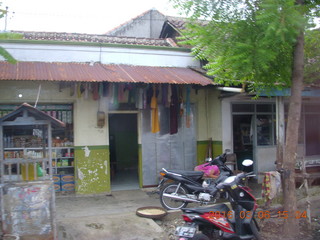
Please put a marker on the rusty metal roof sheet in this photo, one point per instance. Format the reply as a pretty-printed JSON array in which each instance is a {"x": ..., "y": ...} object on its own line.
[{"x": 85, "y": 72}]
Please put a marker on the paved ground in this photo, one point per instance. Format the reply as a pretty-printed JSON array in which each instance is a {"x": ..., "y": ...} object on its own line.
[{"x": 106, "y": 217}]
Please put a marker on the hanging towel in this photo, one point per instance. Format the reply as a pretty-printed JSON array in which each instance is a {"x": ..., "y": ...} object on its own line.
[
  {"x": 164, "y": 95},
  {"x": 80, "y": 89},
  {"x": 174, "y": 110},
  {"x": 115, "y": 94},
  {"x": 180, "y": 91},
  {"x": 105, "y": 89},
  {"x": 169, "y": 95},
  {"x": 100, "y": 90},
  {"x": 155, "y": 125},
  {"x": 73, "y": 89},
  {"x": 188, "y": 108},
  {"x": 271, "y": 185},
  {"x": 95, "y": 91}
]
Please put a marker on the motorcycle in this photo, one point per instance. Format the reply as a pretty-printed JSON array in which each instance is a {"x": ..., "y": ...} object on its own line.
[
  {"x": 219, "y": 221},
  {"x": 189, "y": 186}
]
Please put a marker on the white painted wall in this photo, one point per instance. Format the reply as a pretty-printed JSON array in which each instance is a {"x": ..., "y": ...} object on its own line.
[
  {"x": 105, "y": 55},
  {"x": 265, "y": 158},
  {"x": 86, "y": 131},
  {"x": 208, "y": 114}
]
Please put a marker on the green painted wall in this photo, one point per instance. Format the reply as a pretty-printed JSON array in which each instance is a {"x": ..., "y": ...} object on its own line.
[
  {"x": 202, "y": 150},
  {"x": 92, "y": 169}
]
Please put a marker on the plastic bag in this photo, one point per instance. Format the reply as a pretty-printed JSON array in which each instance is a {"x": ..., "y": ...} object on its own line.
[{"x": 39, "y": 170}]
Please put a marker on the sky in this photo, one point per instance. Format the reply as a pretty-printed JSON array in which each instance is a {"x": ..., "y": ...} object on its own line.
[{"x": 76, "y": 16}]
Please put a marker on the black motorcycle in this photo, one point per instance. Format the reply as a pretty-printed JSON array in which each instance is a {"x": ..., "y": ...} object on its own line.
[
  {"x": 178, "y": 187},
  {"x": 219, "y": 221}
]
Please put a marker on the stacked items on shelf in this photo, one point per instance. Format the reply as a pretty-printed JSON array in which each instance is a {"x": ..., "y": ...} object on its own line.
[
  {"x": 58, "y": 142},
  {"x": 63, "y": 182},
  {"x": 26, "y": 141},
  {"x": 64, "y": 116}
]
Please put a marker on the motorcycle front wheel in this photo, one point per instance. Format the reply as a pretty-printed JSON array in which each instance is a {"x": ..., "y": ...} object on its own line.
[
  {"x": 255, "y": 230},
  {"x": 170, "y": 203}
]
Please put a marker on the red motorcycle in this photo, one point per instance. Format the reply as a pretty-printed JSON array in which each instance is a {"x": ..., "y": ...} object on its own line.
[{"x": 219, "y": 221}]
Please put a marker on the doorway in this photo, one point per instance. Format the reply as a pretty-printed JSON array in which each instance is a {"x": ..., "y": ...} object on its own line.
[
  {"x": 123, "y": 146},
  {"x": 243, "y": 138},
  {"x": 312, "y": 134}
]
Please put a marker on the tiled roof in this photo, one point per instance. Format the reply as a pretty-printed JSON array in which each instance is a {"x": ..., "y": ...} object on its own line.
[
  {"x": 94, "y": 38},
  {"x": 85, "y": 72},
  {"x": 179, "y": 23}
]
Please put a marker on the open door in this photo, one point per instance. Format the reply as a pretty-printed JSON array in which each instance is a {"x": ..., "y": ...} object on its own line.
[
  {"x": 243, "y": 138},
  {"x": 123, "y": 147}
]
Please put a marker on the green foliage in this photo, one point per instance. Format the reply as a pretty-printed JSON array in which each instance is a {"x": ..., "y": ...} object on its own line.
[
  {"x": 7, "y": 56},
  {"x": 2, "y": 11},
  {"x": 312, "y": 56},
  {"x": 9, "y": 35},
  {"x": 246, "y": 41}
]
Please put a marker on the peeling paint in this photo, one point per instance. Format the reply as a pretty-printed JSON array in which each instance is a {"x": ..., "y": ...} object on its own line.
[
  {"x": 106, "y": 164},
  {"x": 86, "y": 151},
  {"x": 80, "y": 174}
]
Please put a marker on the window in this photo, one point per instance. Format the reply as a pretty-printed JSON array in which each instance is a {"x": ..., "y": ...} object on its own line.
[{"x": 260, "y": 121}]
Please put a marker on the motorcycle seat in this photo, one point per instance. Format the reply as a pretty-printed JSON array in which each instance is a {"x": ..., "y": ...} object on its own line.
[
  {"x": 222, "y": 208},
  {"x": 192, "y": 174}
]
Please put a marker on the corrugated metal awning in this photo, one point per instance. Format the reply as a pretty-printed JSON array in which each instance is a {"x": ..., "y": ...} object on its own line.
[{"x": 85, "y": 72}]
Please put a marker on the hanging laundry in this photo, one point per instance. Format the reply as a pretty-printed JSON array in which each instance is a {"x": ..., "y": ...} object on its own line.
[
  {"x": 132, "y": 95},
  {"x": 95, "y": 91},
  {"x": 115, "y": 94},
  {"x": 181, "y": 108},
  {"x": 110, "y": 92},
  {"x": 174, "y": 110},
  {"x": 164, "y": 95},
  {"x": 80, "y": 89},
  {"x": 188, "y": 107},
  {"x": 155, "y": 124},
  {"x": 86, "y": 90},
  {"x": 169, "y": 96},
  {"x": 100, "y": 90},
  {"x": 73, "y": 89},
  {"x": 149, "y": 93},
  {"x": 120, "y": 92},
  {"x": 139, "y": 98},
  {"x": 271, "y": 186},
  {"x": 105, "y": 87}
]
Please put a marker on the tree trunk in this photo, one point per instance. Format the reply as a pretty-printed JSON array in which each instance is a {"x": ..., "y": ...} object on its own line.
[{"x": 291, "y": 225}]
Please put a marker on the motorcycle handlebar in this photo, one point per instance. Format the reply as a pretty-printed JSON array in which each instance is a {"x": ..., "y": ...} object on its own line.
[{"x": 213, "y": 189}]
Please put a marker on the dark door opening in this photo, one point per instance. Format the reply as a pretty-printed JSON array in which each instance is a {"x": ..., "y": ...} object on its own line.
[
  {"x": 123, "y": 146},
  {"x": 312, "y": 134},
  {"x": 243, "y": 139}
]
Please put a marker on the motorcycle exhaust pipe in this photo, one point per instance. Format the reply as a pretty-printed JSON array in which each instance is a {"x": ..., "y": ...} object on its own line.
[{"x": 182, "y": 198}]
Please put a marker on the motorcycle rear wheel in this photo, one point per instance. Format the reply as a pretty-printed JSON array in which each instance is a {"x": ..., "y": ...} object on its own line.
[{"x": 169, "y": 203}]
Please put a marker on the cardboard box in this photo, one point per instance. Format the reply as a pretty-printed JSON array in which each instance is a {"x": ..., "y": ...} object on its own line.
[
  {"x": 69, "y": 186},
  {"x": 57, "y": 187},
  {"x": 56, "y": 178},
  {"x": 67, "y": 178}
]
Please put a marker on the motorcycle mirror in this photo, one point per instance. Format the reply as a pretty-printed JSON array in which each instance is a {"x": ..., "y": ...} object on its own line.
[
  {"x": 227, "y": 150},
  {"x": 247, "y": 162}
]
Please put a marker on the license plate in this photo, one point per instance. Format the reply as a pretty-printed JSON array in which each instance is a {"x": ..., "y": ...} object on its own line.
[{"x": 185, "y": 231}]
